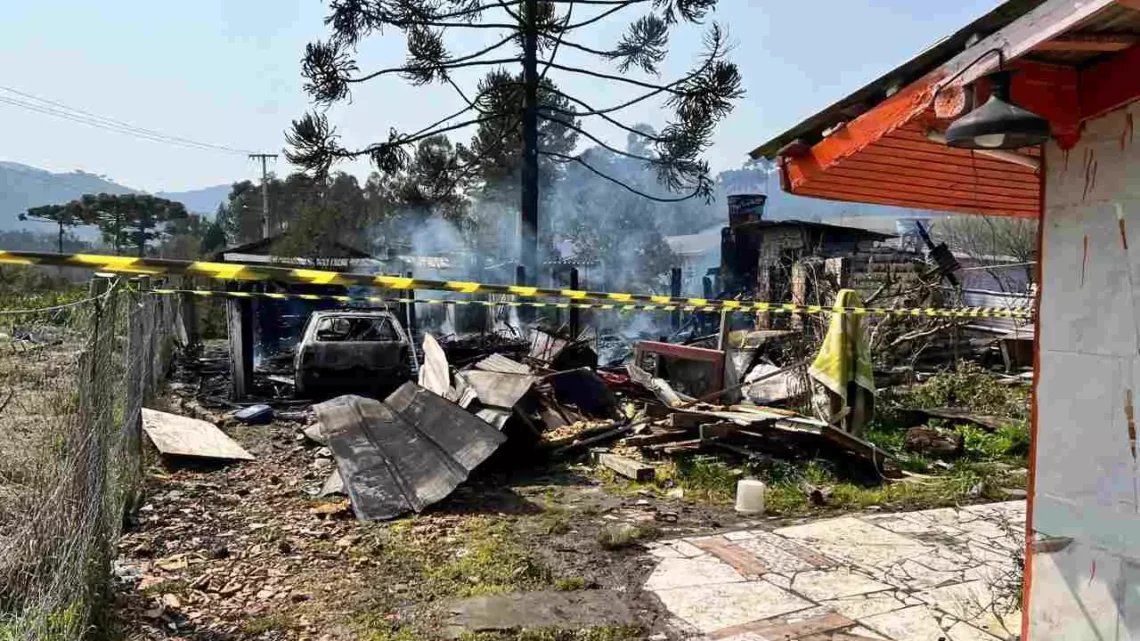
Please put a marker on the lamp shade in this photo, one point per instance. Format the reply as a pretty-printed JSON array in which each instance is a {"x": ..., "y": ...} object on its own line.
[{"x": 998, "y": 124}]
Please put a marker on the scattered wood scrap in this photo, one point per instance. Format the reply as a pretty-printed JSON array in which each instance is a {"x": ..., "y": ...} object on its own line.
[
  {"x": 175, "y": 435},
  {"x": 626, "y": 467},
  {"x": 984, "y": 421}
]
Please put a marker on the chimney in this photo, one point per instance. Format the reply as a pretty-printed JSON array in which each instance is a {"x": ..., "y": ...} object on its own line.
[{"x": 745, "y": 208}]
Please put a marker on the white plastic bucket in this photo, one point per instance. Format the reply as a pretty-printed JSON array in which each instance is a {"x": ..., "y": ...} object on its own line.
[{"x": 750, "y": 496}]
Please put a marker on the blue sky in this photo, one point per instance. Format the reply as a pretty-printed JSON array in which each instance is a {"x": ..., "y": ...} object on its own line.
[{"x": 227, "y": 72}]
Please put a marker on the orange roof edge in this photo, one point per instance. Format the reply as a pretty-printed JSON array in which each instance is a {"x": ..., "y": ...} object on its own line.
[{"x": 1046, "y": 21}]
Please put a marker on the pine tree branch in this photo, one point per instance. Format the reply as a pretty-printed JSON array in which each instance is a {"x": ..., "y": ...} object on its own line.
[
  {"x": 507, "y": 7},
  {"x": 710, "y": 58},
  {"x": 575, "y": 45},
  {"x": 599, "y": 2},
  {"x": 600, "y": 142},
  {"x": 613, "y": 121},
  {"x": 442, "y": 66},
  {"x": 598, "y": 172},
  {"x": 558, "y": 41},
  {"x": 601, "y": 16},
  {"x": 606, "y": 76},
  {"x": 416, "y": 137}
]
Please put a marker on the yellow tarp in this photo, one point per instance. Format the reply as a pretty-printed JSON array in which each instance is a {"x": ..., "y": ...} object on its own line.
[{"x": 845, "y": 355}]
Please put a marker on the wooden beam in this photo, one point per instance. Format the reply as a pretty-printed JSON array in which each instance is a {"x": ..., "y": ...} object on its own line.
[
  {"x": 1096, "y": 42},
  {"x": 626, "y": 467},
  {"x": 1110, "y": 84},
  {"x": 1129, "y": 4}
]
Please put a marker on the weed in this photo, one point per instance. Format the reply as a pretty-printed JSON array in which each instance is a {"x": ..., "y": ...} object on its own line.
[
  {"x": 569, "y": 584},
  {"x": 624, "y": 535},
  {"x": 969, "y": 386},
  {"x": 553, "y": 524},
  {"x": 266, "y": 623}
]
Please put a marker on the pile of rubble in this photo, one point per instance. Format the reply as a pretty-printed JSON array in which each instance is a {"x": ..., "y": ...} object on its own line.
[{"x": 478, "y": 399}]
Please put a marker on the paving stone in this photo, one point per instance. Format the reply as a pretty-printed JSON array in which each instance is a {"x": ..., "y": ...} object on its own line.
[
  {"x": 902, "y": 525},
  {"x": 685, "y": 549},
  {"x": 790, "y": 627},
  {"x": 864, "y": 605},
  {"x": 574, "y": 609},
  {"x": 984, "y": 528},
  {"x": 822, "y": 585},
  {"x": 778, "y": 580},
  {"x": 944, "y": 559},
  {"x": 965, "y": 632},
  {"x": 664, "y": 551},
  {"x": 853, "y": 540},
  {"x": 714, "y": 607},
  {"x": 740, "y": 535},
  {"x": 740, "y": 559},
  {"x": 777, "y": 559},
  {"x": 691, "y": 572},
  {"x": 912, "y": 575},
  {"x": 915, "y": 623},
  {"x": 967, "y": 601},
  {"x": 866, "y": 632}
]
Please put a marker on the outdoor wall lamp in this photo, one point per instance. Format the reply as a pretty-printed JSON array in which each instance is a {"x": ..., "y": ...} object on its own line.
[{"x": 999, "y": 123}]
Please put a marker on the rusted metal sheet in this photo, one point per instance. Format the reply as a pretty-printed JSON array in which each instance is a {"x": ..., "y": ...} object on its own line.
[
  {"x": 405, "y": 453},
  {"x": 184, "y": 436}
]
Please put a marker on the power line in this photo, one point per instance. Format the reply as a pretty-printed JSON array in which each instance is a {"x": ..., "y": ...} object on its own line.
[{"x": 60, "y": 110}]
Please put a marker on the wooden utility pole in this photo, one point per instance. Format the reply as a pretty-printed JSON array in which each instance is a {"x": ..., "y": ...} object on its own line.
[
  {"x": 264, "y": 158},
  {"x": 528, "y": 210}
]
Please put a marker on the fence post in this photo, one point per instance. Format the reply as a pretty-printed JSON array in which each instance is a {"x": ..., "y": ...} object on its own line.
[
  {"x": 239, "y": 328},
  {"x": 526, "y": 313},
  {"x": 135, "y": 370},
  {"x": 146, "y": 342},
  {"x": 411, "y": 312},
  {"x": 675, "y": 292},
  {"x": 189, "y": 313},
  {"x": 575, "y": 313}
]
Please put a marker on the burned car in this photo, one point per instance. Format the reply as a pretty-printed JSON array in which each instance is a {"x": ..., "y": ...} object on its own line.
[{"x": 349, "y": 350}]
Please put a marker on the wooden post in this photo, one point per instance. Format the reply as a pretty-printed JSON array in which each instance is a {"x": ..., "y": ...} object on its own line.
[
  {"x": 675, "y": 292},
  {"x": 575, "y": 313},
  {"x": 411, "y": 312},
  {"x": 239, "y": 327},
  {"x": 525, "y": 313},
  {"x": 189, "y": 314}
]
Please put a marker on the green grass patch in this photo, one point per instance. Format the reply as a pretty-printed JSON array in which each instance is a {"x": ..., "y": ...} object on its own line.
[
  {"x": 266, "y": 623},
  {"x": 570, "y": 584},
  {"x": 625, "y": 535},
  {"x": 432, "y": 563}
]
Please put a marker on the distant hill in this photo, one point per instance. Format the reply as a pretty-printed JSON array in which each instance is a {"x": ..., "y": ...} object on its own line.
[
  {"x": 203, "y": 201},
  {"x": 22, "y": 187}
]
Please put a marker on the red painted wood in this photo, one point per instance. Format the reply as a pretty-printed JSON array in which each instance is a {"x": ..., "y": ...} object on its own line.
[{"x": 1110, "y": 84}]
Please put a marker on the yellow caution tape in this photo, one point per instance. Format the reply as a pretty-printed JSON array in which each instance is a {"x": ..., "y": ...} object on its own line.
[
  {"x": 745, "y": 306},
  {"x": 617, "y": 300}
]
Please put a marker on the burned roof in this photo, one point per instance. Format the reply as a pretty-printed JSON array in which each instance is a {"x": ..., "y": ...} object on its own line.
[
  {"x": 264, "y": 247},
  {"x": 810, "y": 131},
  {"x": 854, "y": 232}
]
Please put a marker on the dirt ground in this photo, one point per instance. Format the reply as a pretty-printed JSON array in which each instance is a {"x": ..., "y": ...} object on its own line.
[{"x": 246, "y": 550}]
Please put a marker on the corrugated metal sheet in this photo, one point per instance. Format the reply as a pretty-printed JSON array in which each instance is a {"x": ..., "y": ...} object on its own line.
[
  {"x": 1011, "y": 326},
  {"x": 501, "y": 364}
]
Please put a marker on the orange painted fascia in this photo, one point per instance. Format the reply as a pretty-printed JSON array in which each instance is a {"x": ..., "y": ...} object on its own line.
[{"x": 868, "y": 128}]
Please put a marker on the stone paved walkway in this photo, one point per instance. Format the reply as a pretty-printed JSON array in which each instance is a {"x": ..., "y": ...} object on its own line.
[{"x": 920, "y": 576}]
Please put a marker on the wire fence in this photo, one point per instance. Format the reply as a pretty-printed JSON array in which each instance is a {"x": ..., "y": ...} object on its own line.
[{"x": 73, "y": 380}]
